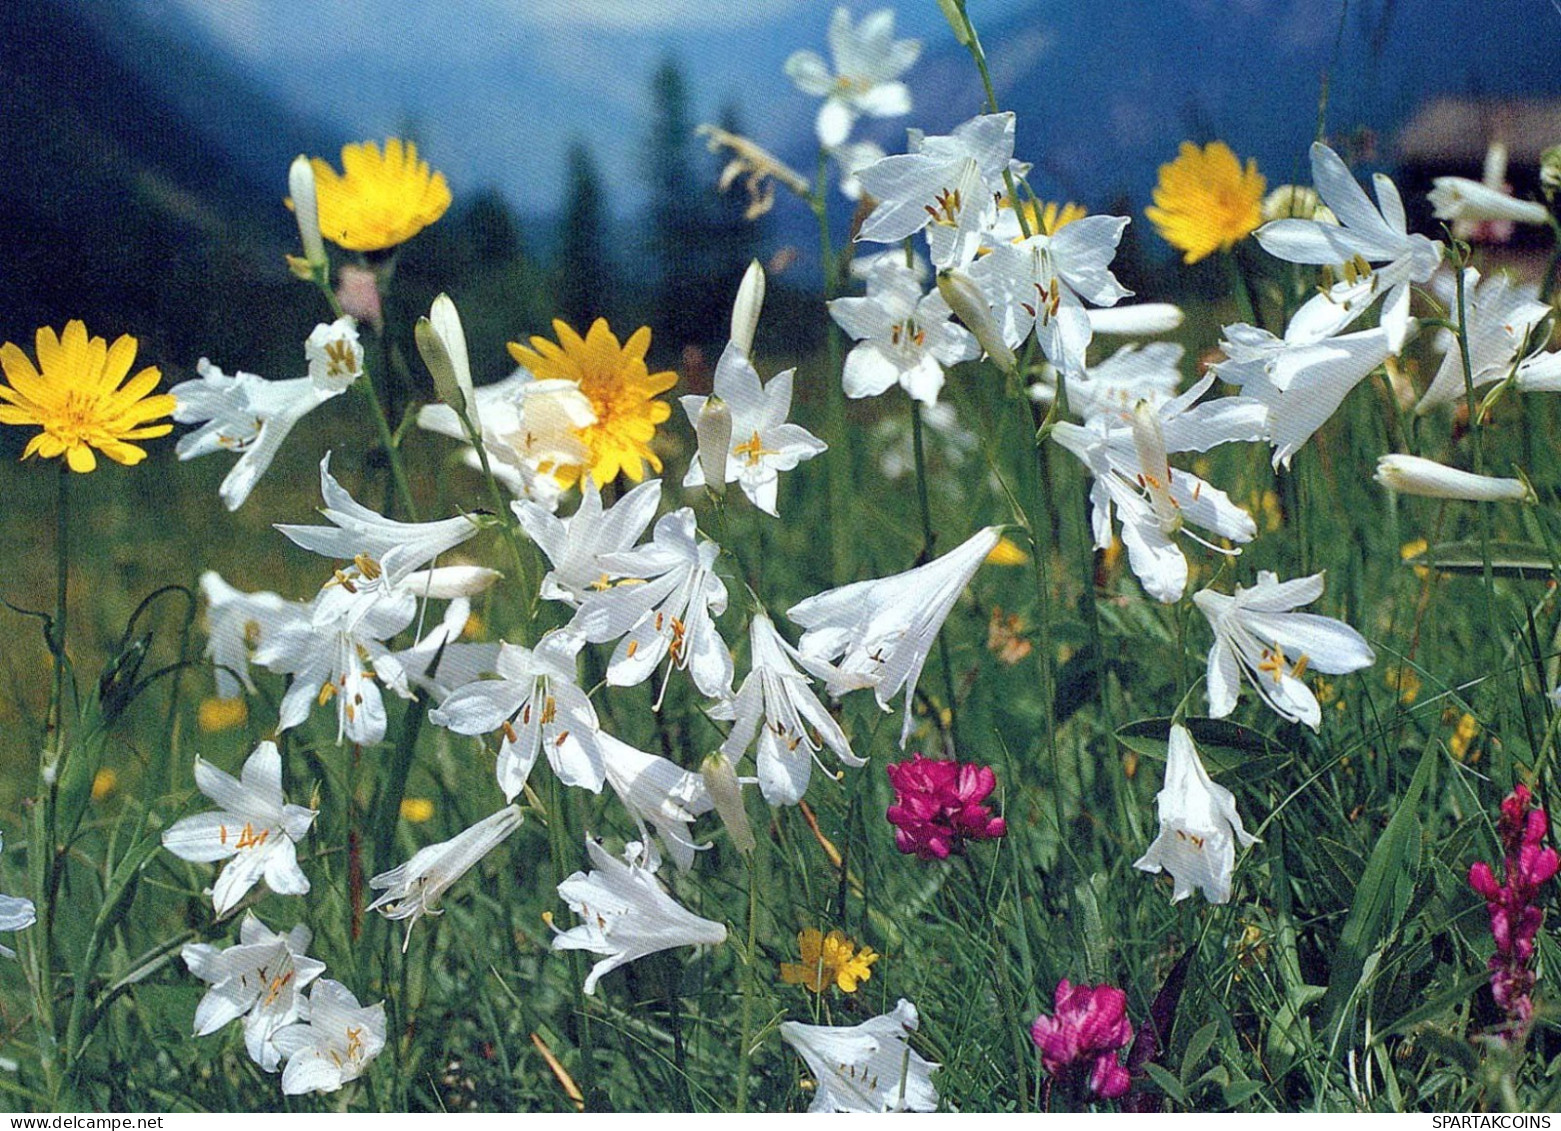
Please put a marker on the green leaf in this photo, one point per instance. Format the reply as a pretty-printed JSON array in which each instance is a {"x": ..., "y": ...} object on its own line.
[
  {"x": 1508, "y": 559},
  {"x": 1198, "y": 1048},
  {"x": 1223, "y": 745},
  {"x": 1396, "y": 854},
  {"x": 1238, "y": 1092},
  {"x": 1167, "y": 1083}
]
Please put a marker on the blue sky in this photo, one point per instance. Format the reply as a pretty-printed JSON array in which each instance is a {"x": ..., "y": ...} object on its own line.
[{"x": 498, "y": 88}]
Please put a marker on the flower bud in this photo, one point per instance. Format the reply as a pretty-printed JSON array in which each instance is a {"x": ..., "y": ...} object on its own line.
[
  {"x": 1411, "y": 475},
  {"x": 1458, "y": 198},
  {"x": 1550, "y": 171},
  {"x": 745, "y": 311},
  {"x": 965, "y": 299},
  {"x": 713, "y": 428},
  {"x": 956, "y": 19},
  {"x": 300, "y": 182},
  {"x": 727, "y": 792},
  {"x": 442, "y": 343},
  {"x": 1139, "y": 319}
]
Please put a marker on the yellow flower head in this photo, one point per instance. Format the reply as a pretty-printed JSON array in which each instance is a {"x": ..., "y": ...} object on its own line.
[
  {"x": 79, "y": 396},
  {"x": 620, "y": 388},
  {"x": 104, "y": 782},
  {"x": 828, "y": 960},
  {"x": 1206, "y": 201},
  {"x": 416, "y": 810},
  {"x": 218, "y": 714},
  {"x": 378, "y": 200}
]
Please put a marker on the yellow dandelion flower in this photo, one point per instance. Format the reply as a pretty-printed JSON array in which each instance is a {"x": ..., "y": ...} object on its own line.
[
  {"x": 379, "y": 199},
  {"x": 416, "y": 810},
  {"x": 828, "y": 960},
  {"x": 1205, "y": 201},
  {"x": 215, "y": 715},
  {"x": 79, "y": 396},
  {"x": 620, "y": 388},
  {"x": 104, "y": 782}
]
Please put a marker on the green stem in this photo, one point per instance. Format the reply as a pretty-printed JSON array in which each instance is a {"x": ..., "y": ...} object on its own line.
[
  {"x": 928, "y": 538},
  {"x": 1243, "y": 289},
  {"x": 559, "y": 848},
  {"x": 841, "y": 462},
  {"x": 745, "y": 1050},
  {"x": 529, "y": 586}
]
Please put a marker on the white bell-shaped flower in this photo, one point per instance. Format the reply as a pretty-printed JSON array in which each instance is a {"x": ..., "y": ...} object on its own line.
[{"x": 1199, "y": 826}]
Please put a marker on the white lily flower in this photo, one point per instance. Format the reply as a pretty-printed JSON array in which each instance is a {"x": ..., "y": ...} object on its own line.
[
  {"x": 1411, "y": 475},
  {"x": 397, "y": 548},
  {"x": 1147, "y": 372},
  {"x": 903, "y": 336},
  {"x": 868, "y": 64},
  {"x": 439, "y": 662},
  {"x": 260, "y": 979},
  {"x": 538, "y": 706},
  {"x": 762, "y": 443},
  {"x": 1500, "y": 315},
  {"x": 254, "y": 829},
  {"x": 660, "y": 792},
  {"x": 664, "y": 596},
  {"x": 574, "y": 545},
  {"x": 869, "y": 1068},
  {"x": 776, "y": 705},
  {"x": 331, "y": 653},
  {"x": 852, "y": 158},
  {"x": 245, "y": 414},
  {"x": 878, "y": 633},
  {"x": 626, "y": 914},
  {"x": 1257, "y": 633},
  {"x": 335, "y": 1045},
  {"x": 236, "y": 624},
  {"x": 1364, "y": 234},
  {"x": 1128, "y": 456},
  {"x": 1301, "y": 378},
  {"x": 1460, "y": 199},
  {"x": 413, "y": 889},
  {"x": 1199, "y": 826},
  {"x": 16, "y": 914},
  {"x": 948, "y": 184},
  {"x": 1041, "y": 284},
  {"x": 334, "y": 355}
]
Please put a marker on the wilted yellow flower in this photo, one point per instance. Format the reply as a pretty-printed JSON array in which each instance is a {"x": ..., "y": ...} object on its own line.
[
  {"x": 215, "y": 715},
  {"x": 1206, "y": 201},
  {"x": 379, "y": 199},
  {"x": 79, "y": 397},
  {"x": 620, "y": 388},
  {"x": 828, "y": 960},
  {"x": 416, "y": 810},
  {"x": 104, "y": 782}
]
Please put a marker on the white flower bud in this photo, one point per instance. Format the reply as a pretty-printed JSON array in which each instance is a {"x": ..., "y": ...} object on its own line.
[
  {"x": 1458, "y": 198},
  {"x": 1550, "y": 171},
  {"x": 966, "y": 300},
  {"x": 1135, "y": 320},
  {"x": 713, "y": 428},
  {"x": 727, "y": 793},
  {"x": 745, "y": 310},
  {"x": 1411, "y": 475},
  {"x": 442, "y": 343},
  {"x": 300, "y": 182}
]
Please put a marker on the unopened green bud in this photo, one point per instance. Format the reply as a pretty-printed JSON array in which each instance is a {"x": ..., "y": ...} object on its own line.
[
  {"x": 727, "y": 793},
  {"x": 965, "y": 299},
  {"x": 1550, "y": 171},
  {"x": 713, "y": 429},
  {"x": 442, "y": 343}
]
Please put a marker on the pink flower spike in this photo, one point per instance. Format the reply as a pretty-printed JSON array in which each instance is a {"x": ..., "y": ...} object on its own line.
[
  {"x": 1088, "y": 1029},
  {"x": 938, "y": 805}
]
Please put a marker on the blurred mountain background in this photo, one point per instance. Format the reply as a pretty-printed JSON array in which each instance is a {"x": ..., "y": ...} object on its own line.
[{"x": 148, "y": 141}]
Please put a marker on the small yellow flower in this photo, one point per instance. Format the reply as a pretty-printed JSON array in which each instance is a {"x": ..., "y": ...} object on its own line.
[
  {"x": 104, "y": 782},
  {"x": 1205, "y": 201},
  {"x": 416, "y": 810},
  {"x": 1414, "y": 549},
  {"x": 379, "y": 199},
  {"x": 79, "y": 397},
  {"x": 1405, "y": 681},
  {"x": 1006, "y": 553},
  {"x": 215, "y": 715},
  {"x": 828, "y": 960},
  {"x": 1463, "y": 735},
  {"x": 621, "y": 389}
]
